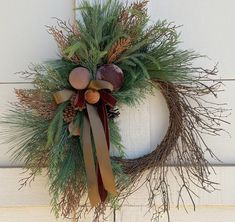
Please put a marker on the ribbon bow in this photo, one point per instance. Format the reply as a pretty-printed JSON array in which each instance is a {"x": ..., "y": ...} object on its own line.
[{"x": 100, "y": 178}]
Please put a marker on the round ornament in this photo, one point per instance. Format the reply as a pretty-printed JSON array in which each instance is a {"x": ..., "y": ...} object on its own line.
[
  {"x": 79, "y": 78},
  {"x": 111, "y": 73},
  {"x": 92, "y": 96}
]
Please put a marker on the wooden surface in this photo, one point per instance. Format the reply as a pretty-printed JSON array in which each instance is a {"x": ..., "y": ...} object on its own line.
[
  {"x": 208, "y": 28},
  {"x": 32, "y": 203},
  {"x": 202, "y": 214},
  {"x": 129, "y": 214}
]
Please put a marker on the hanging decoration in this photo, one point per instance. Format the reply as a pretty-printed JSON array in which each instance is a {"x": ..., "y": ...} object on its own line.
[{"x": 67, "y": 122}]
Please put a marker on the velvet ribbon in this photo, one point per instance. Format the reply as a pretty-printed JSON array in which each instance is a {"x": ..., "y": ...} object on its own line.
[{"x": 98, "y": 168}]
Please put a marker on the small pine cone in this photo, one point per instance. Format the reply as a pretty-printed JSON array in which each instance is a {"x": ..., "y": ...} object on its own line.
[
  {"x": 72, "y": 100},
  {"x": 113, "y": 112},
  {"x": 69, "y": 114}
]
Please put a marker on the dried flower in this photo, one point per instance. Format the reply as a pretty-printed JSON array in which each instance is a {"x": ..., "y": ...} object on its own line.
[
  {"x": 117, "y": 49},
  {"x": 32, "y": 99}
]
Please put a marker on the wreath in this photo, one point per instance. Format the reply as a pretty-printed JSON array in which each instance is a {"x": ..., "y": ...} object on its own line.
[{"x": 113, "y": 55}]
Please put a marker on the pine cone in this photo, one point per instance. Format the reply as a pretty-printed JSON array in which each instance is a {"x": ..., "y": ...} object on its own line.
[
  {"x": 72, "y": 100},
  {"x": 113, "y": 112},
  {"x": 69, "y": 114}
]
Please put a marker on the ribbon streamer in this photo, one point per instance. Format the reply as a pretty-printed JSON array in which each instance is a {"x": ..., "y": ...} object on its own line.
[
  {"x": 100, "y": 177},
  {"x": 93, "y": 192},
  {"x": 102, "y": 150}
]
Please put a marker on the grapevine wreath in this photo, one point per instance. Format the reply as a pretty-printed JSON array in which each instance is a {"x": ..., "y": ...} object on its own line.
[{"x": 113, "y": 55}]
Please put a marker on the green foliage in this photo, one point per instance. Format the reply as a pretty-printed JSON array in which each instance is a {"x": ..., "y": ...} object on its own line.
[
  {"x": 153, "y": 54},
  {"x": 66, "y": 166},
  {"x": 26, "y": 131},
  {"x": 56, "y": 126},
  {"x": 98, "y": 30},
  {"x": 52, "y": 76},
  {"x": 115, "y": 137}
]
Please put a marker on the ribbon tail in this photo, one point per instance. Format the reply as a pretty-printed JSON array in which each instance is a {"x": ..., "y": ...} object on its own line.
[
  {"x": 103, "y": 193},
  {"x": 104, "y": 119},
  {"x": 102, "y": 151},
  {"x": 93, "y": 192}
]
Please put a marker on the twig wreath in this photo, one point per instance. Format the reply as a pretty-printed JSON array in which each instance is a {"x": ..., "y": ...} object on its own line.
[{"x": 66, "y": 123}]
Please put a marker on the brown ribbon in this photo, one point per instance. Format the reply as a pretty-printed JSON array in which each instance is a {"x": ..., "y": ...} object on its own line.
[
  {"x": 102, "y": 151},
  {"x": 93, "y": 191},
  {"x": 63, "y": 95},
  {"x": 100, "y": 84},
  {"x": 93, "y": 123}
]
